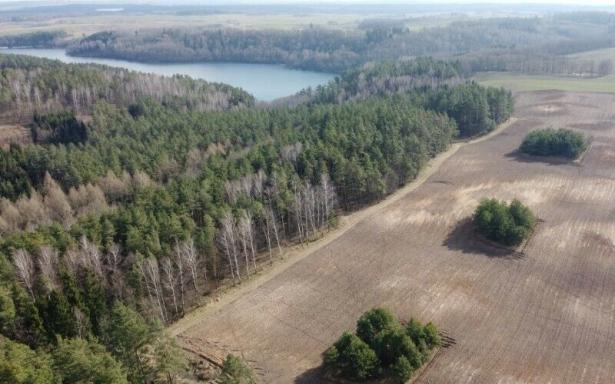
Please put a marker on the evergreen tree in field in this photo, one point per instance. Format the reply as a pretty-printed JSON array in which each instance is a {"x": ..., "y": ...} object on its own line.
[
  {"x": 550, "y": 142},
  {"x": 381, "y": 348},
  {"x": 352, "y": 358},
  {"x": 508, "y": 224}
]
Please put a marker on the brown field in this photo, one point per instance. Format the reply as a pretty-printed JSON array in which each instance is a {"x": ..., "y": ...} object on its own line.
[{"x": 544, "y": 316}]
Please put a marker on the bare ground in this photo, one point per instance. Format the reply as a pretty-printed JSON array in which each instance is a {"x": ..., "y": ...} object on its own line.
[{"x": 545, "y": 316}]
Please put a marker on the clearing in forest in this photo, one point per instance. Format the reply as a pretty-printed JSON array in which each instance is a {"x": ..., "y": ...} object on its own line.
[{"x": 544, "y": 315}]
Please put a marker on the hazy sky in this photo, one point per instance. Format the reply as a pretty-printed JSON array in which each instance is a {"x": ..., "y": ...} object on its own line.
[
  {"x": 218, "y": 2},
  {"x": 230, "y": 2}
]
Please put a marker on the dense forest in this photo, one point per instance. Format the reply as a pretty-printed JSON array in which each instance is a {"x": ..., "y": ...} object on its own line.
[
  {"x": 116, "y": 224},
  {"x": 384, "y": 78},
  {"x": 536, "y": 44},
  {"x": 31, "y": 85},
  {"x": 432, "y": 84}
]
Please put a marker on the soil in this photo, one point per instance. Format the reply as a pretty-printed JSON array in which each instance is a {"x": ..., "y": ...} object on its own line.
[{"x": 546, "y": 317}]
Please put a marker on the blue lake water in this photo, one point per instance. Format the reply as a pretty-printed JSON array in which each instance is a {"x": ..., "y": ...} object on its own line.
[{"x": 265, "y": 81}]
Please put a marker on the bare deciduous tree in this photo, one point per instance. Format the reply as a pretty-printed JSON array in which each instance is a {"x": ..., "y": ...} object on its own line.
[
  {"x": 151, "y": 275},
  {"x": 191, "y": 261},
  {"x": 170, "y": 280},
  {"x": 56, "y": 202},
  {"x": 47, "y": 260},
  {"x": 227, "y": 238},
  {"x": 91, "y": 257},
  {"x": 179, "y": 263},
  {"x": 246, "y": 237},
  {"x": 24, "y": 266}
]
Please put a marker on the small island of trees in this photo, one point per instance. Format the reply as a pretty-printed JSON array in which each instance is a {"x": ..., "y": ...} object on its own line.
[
  {"x": 382, "y": 348},
  {"x": 554, "y": 142},
  {"x": 506, "y": 224}
]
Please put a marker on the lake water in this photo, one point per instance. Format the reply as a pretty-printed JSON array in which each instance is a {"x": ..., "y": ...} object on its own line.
[{"x": 265, "y": 81}]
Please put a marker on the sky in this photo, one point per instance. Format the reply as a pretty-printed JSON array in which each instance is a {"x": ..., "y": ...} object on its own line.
[{"x": 232, "y": 2}]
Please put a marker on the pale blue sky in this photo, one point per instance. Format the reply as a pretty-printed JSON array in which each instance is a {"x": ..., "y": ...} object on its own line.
[{"x": 218, "y": 2}]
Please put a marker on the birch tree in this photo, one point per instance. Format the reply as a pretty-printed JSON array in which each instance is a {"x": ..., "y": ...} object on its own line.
[
  {"x": 24, "y": 266},
  {"x": 47, "y": 266},
  {"x": 170, "y": 280},
  {"x": 179, "y": 264},
  {"x": 191, "y": 261},
  {"x": 227, "y": 238},
  {"x": 151, "y": 275}
]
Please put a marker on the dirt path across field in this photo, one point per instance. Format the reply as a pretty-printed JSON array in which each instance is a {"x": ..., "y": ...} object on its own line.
[{"x": 544, "y": 316}]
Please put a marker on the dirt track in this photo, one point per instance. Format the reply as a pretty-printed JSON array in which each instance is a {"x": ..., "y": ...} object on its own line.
[{"x": 548, "y": 316}]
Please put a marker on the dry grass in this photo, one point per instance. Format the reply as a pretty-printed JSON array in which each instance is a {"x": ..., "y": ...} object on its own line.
[
  {"x": 85, "y": 25},
  {"x": 546, "y": 317}
]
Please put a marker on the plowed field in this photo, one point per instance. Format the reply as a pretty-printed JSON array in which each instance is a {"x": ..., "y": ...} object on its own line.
[{"x": 545, "y": 315}]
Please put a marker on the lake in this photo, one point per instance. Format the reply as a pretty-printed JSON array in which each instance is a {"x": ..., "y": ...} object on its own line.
[{"x": 265, "y": 81}]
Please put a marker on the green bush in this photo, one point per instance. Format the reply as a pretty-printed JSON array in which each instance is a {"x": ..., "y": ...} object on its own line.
[
  {"x": 552, "y": 142},
  {"x": 393, "y": 343},
  {"x": 402, "y": 369},
  {"x": 372, "y": 322},
  {"x": 351, "y": 358},
  {"x": 235, "y": 371},
  {"x": 505, "y": 224},
  {"x": 381, "y": 348}
]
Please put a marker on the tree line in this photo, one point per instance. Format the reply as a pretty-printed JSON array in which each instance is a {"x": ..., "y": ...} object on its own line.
[
  {"x": 433, "y": 84},
  {"x": 38, "y": 39},
  {"x": 322, "y": 49}
]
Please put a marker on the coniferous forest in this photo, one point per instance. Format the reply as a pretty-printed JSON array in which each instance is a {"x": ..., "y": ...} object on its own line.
[{"x": 140, "y": 194}]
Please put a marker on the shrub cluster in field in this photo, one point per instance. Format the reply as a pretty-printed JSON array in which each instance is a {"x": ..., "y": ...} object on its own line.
[
  {"x": 502, "y": 223},
  {"x": 554, "y": 142},
  {"x": 381, "y": 348}
]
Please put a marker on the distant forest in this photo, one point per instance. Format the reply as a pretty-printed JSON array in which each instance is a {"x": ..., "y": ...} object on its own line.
[{"x": 528, "y": 44}]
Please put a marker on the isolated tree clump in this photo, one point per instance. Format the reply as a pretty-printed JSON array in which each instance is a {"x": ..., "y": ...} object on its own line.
[
  {"x": 382, "y": 348},
  {"x": 554, "y": 142},
  {"x": 507, "y": 224}
]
